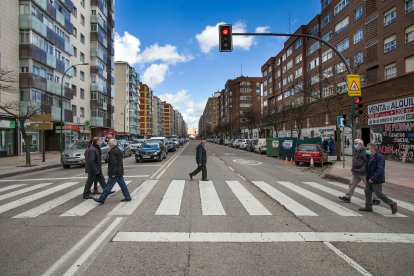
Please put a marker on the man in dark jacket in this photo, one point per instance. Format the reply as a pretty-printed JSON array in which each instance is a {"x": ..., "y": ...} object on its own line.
[
  {"x": 201, "y": 159},
  {"x": 375, "y": 179},
  {"x": 359, "y": 171},
  {"x": 94, "y": 168},
  {"x": 95, "y": 182},
  {"x": 115, "y": 173}
]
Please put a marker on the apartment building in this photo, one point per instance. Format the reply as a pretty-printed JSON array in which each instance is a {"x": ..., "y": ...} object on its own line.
[
  {"x": 145, "y": 99},
  {"x": 210, "y": 114},
  {"x": 168, "y": 114},
  {"x": 157, "y": 117},
  {"x": 127, "y": 113}
]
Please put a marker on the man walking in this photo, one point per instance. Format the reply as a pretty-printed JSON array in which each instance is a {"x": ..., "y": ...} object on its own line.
[
  {"x": 375, "y": 179},
  {"x": 115, "y": 173},
  {"x": 359, "y": 171},
  {"x": 331, "y": 145},
  {"x": 95, "y": 182},
  {"x": 201, "y": 158}
]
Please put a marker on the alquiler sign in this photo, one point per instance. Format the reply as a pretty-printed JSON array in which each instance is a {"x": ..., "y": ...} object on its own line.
[{"x": 396, "y": 111}]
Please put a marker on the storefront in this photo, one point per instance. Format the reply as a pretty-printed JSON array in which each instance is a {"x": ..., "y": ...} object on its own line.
[{"x": 7, "y": 137}]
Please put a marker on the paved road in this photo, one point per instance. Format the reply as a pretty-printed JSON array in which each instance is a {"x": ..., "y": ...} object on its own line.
[{"x": 256, "y": 216}]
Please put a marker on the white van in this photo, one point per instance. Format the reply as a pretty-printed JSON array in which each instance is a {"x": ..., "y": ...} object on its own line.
[{"x": 260, "y": 145}]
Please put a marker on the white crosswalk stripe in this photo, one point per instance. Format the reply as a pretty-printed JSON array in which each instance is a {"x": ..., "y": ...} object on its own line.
[
  {"x": 11, "y": 187},
  {"x": 210, "y": 201},
  {"x": 250, "y": 203},
  {"x": 171, "y": 202},
  {"x": 22, "y": 191}
]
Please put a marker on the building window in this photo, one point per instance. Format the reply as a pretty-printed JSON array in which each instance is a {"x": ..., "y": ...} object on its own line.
[
  {"x": 327, "y": 73},
  {"x": 343, "y": 45},
  {"x": 326, "y": 20},
  {"x": 390, "y": 16},
  {"x": 75, "y": 32},
  {"x": 314, "y": 31},
  {"x": 327, "y": 55},
  {"x": 325, "y": 3},
  {"x": 298, "y": 73},
  {"x": 313, "y": 48},
  {"x": 342, "y": 4},
  {"x": 74, "y": 90},
  {"x": 390, "y": 44},
  {"x": 340, "y": 67},
  {"x": 342, "y": 25},
  {"x": 341, "y": 87},
  {"x": 390, "y": 71},
  {"x": 82, "y": 20},
  {"x": 75, "y": 12},
  {"x": 327, "y": 37},
  {"x": 24, "y": 69},
  {"x": 409, "y": 6},
  {"x": 358, "y": 13},
  {"x": 82, "y": 57},
  {"x": 24, "y": 37},
  {"x": 289, "y": 51},
  {"x": 74, "y": 110},
  {"x": 289, "y": 64},
  {"x": 314, "y": 63},
  {"x": 298, "y": 43},
  {"x": 94, "y": 27},
  {"x": 298, "y": 59},
  {"x": 82, "y": 112},
  {"x": 358, "y": 35},
  {"x": 82, "y": 39},
  {"x": 75, "y": 71},
  {"x": 409, "y": 34},
  {"x": 82, "y": 75},
  {"x": 82, "y": 2},
  {"x": 358, "y": 59},
  {"x": 409, "y": 64}
]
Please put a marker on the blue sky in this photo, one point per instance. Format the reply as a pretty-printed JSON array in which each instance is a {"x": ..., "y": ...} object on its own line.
[{"x": 173, "y": 44}]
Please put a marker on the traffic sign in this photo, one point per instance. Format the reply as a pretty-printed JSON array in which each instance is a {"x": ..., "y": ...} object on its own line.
[
  {"x": 41, "y": 126},
  {"x": 354, "y": 86},
  {"x": 41, "y": 118},
  {"x": 340, "y": 121}
]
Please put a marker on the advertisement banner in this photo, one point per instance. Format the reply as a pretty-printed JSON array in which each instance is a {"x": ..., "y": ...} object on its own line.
[{"x": 397, "y": 111}]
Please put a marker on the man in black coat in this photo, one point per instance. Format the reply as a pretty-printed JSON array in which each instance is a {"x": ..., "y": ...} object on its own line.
[
  {"x": 94, "y": 167},
  {"x": 115, "y": 173},
  {"x": 201, "y": 159}
]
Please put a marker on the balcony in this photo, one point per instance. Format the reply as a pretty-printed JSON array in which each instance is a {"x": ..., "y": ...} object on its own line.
[
  {"x": 67, "y": 114},
  {"x": 30, "y": 22},
  {"x": 28, "y": 80}
]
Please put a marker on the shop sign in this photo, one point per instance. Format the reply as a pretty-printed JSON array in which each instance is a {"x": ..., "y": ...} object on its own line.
[
  {"x": 396, "y": 111},
  {"x": 7, "y": 124}
]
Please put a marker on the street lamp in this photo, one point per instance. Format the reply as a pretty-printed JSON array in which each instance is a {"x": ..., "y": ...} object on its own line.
[
  {"x": 61, "y": 105},
  {"x": 124, "y": 118}
]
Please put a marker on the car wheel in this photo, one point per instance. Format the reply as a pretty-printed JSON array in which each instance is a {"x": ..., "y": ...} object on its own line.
[
  {"x": 296, "y": 163},
  {"x": 66, "y": 166}
]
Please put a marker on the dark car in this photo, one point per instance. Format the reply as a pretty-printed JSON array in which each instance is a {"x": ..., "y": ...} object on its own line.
[
  {"x": 306, "y": 152},
  {"x": 171, "y": 145},
  {"x": 150, "y": 150}
]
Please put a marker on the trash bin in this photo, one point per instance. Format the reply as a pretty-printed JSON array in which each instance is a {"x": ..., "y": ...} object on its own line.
[
  {"x": 272, "y": 147},
  {"x": 287, "y": 147}
]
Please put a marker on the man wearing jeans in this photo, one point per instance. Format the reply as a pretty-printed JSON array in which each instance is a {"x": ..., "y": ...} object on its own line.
[
  {"x": 359, "y": 171},
  {"x": 115, "y": 173}
]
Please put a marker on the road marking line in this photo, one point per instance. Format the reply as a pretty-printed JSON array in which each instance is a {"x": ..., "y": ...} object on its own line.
[
  {"x": 138, "y": 196},
  {"x": 378, "y": 209},
  {"x": 290, "y": 204},
  {"x": 142, "y": 165},
  {"x": 43, "y": 208},
  {"x": 11, "y": 187},
  {"x": 231, "y": 168},
  {"x": 348, "y": 259},
  {"x": 87, "y": 205},
  {"x": 263, "y": 237},
  {"x": 400, "y": 203},
  {"x": 242, "y": 177},
  {"x": 210, "y": 201},
  {"x": 328, "y": 204},
  {"x": 250, "y": 203},
  {"x": 171, "y": 202},
  {"x": 27, "y": 199},
  {"x": 22, "y": 191},
  {"x": 84, "y": 257},
  {"x": 71, "y": 178},
  {"x": 68, "y": 255}
]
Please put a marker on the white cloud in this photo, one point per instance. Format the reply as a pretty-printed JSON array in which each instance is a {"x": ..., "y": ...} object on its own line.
[
  {"x": 126, "y": 48},
  {"x": 263, "y": 29},
  {"x": 167, "y": 54},
  {"x": 208, "y": 38},
  {"x": 182, "y": 102},
  {"x": 155, "y": 74}
]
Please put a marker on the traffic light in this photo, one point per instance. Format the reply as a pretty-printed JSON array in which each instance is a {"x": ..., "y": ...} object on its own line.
[
  {"x": 225, "y": 38},
  {"x": 358, "y": 106}
]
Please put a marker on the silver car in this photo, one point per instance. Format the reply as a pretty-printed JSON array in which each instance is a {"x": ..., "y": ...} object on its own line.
[{"x": 74, "y": 154}]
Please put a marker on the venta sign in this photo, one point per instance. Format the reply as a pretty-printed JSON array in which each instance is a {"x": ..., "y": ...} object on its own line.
[{"x": 397, "y": 111}]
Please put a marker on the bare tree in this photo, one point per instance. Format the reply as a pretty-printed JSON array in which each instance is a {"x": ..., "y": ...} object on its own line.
[
  {"x": 275, "y": 117},
  {"x": 296, "y": 113},
  {"x": 250, "y": 120},
  {"x": 19, "y": 110}
]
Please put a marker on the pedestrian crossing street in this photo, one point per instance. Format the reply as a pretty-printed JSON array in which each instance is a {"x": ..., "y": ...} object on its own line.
[{"x": 296, "y": 200}]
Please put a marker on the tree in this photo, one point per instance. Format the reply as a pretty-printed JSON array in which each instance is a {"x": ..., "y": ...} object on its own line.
[
  {"x": 250, "y": 120},
  {"x": 275, "y": 117},
  {"x": 19, "y": 110},
  {"x": 296, "y": 112}
]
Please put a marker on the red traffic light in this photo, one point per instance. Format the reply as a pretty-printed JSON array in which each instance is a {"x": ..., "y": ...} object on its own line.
[
  {"x": 225, "y": 31},
  {"x": 358, "y": 100}
]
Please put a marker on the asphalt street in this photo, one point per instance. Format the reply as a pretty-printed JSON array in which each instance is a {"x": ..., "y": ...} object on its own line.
[{"x": 255, "y": 216}]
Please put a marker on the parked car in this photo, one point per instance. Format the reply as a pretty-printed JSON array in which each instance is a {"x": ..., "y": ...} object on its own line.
[
  {"x": 136, "y": 143},
  {"x": 260, "y": 145},
  {"x": 236, "y": 143},
  {"x": 243, "y": 143},
  {"x": 171, "y": 145},
  {"x": 74, "y": 154},
  {"x": 250, "y": 145},
  {"x": 150, "y": 150},
  {"x": 125, "y": 147},
  {"x": 306, "y": 152},
  {"x": 226, "y": 142}
]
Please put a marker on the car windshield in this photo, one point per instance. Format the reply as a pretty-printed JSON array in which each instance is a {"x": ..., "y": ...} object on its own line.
[
  {"x": 79, "y": 145},
  {"x": 151, "y": 145},
  {"x": 307, "y": 148},
  {"x": 137, "y": 141}
]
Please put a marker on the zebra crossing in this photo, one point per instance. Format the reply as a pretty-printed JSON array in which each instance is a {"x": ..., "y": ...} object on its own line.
[{"x": 299, "y": 198}]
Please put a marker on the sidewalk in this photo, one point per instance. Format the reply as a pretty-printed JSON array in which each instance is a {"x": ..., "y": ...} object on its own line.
[
  {"x": 10, "y": 166},
  {"x": 399, "y": 177}
]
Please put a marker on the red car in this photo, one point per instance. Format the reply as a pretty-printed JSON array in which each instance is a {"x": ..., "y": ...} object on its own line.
[{"x": 305, "y": 152}]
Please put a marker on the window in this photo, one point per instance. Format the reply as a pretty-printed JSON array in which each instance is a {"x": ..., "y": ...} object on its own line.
[
  {"x": 82, "y": 57},
  {"x": 326, "y": 20},
  {"x": 82, "y": 112},
  {"x": 289, "y": 64},
  {"x": 409, "y": 64},
  {"x": 289, "y": 51},
  {"x": 24, "y": 37},
  {"x": 342, "y": 25},
  {"x": 298, "y": 59},
  {"x": 358, "y": 13},
  {"x": 342, "y": 4},
  {"x": 390, "y": 16},
  {"x": 314, "y": 63},
  {"x": 82, "y": 2},
  {"x": 94, "y": 12},
  {"x": 82, "y": 20},
  {"x": 343, "y": 45},
  {"x": 278, "y": 73},
  {"x": 327, "y": 91},
  {"x": 298, "y": 73},
  {"x": 325, "y": 3},
  {"x": 390, "y": 44},
  {"x": 313, "y": 48},
  {"x": 358, "y": 58},
  {"x": 390, "y": 71},
  {"x": 298, "y": 43},
  {"x": 75, "y": 90},
  {"x": 314, "y": 79},
  {"x": 314, "y": 31},
  {"x": 24, "y": 69},
  {"x": 327, "y": 37},
  {"x": 94, "y": 27},
  {"x": 82, "y": 39},
  {"x": 82, "y": 75},
  {"x": 279, "y": 97},
  {"x": 75, "y": 32},
  {"x": 409, "y": 34},
  {"x": 358, "y": 35},
  {"x": 409, "y": 6},
  {"x": 82, "y": 93},
  {"x": 341, "y": 87},
  {"x": 75, "y": 51},
  {"x": 340, "y": 67},
  {"x": 327, "y": 73},
  {"x": 75, "y": 71},
  {"x": 24, "y": 9},
  {"x": 327, "y": 55},
  {"x": 284, "y": 57},
  {"x": 75, "y": 12},
  {"x": 74, "y": 110}
]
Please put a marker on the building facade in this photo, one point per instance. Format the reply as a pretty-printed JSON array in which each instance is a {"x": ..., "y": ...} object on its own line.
[
  {"x": 145, "y": 97},
  {"x": 168, "y": 117},
  {"x": 157, "y": 117}
]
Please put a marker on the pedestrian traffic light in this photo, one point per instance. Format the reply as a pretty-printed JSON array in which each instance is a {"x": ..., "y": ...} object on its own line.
[
  {"x": 358, "y": 106},
  {"x": 225, "y": 38}
]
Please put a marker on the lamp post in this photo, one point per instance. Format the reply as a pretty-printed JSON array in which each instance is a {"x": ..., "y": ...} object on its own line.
[
  {"x": 61, "y": 105},
  {"x": 124, "y": 118}
]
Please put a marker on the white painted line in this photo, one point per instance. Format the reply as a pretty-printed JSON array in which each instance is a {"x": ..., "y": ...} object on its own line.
[
  {"x": 68, "y": 255},
  {"x": 138, "y": 196},
  {"x": 136, "y": 176},
  {"x": 43, "y": 208},
  {"x": 231, "y": 168},
  {"x": 347, "y": 259},
  {"x": 210, "y": 201},
  {"x": 22, "y": 191},
  {"x": 328, "y": 204},
  {"x": 11, "y": 187},
  {"x": 242, "y": 177},
  {"x": 250, "y": 203},
  {"x": 171, "y": 202},
  {"x": 360, "y": 191},
  {"x": 84, "y": 257},
  {"x": 142, "y": 165},
  {"x": 290, "y": 204},
  {"x": 161, "y": 173},
  {"x": 70, "y": 178},
  {"x": 27, "y": 199},
  {"x": 378, "y": 209},
  {"x": 87, "y": 205},
  {"x": 263, "y": 237}
]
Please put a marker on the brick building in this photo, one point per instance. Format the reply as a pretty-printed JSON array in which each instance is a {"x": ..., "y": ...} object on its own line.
[{"x": 145, "y": 104}]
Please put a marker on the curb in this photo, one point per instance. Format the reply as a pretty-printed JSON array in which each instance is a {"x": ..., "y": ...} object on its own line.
[
  {"x": 337, "y": 178},
  {"x": 4, "y": 175}
]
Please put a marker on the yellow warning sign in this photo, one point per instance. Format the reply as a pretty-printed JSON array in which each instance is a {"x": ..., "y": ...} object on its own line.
[{"x": 354, "y": 86}]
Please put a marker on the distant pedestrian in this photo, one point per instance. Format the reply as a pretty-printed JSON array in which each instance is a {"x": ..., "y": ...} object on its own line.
[
  {"x": 94, "y": 168},
  {"x": 201, "y": 159},
  {"x": 359, "y": 171},
  {"x": 331, "y": 145},
  {"x": 325, "y": 145},
  {"x": 375, "y": 179},
  {"x": 95, "y": 182},
  {"x": 115, "y": 173}
]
